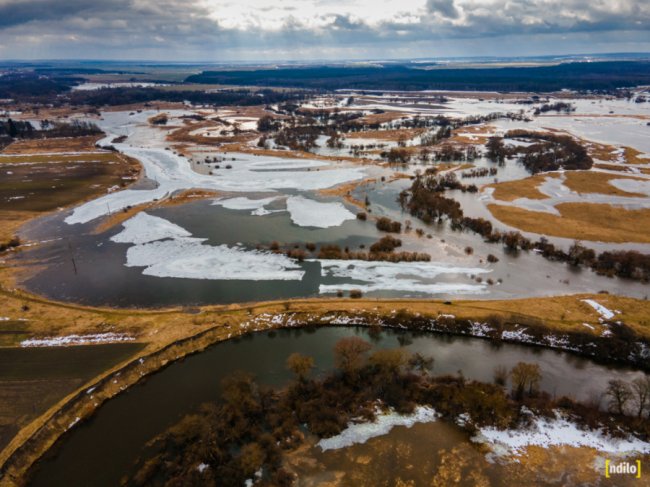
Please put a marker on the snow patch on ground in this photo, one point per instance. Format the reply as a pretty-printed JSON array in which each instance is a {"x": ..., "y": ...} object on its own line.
[
  {"x": 362, "y": 432},
  {"x": 519, "y": 335},
  {"x": 76, "y": 340},
  {"x": 602, "y": 310},
  {"x": 632, "y": 185},
  {"x": 309, "y": 213},
  {"x": 558, "y": 431},
  {"x": 143, "y": 228},
  {"x": 415, "y": 277}
]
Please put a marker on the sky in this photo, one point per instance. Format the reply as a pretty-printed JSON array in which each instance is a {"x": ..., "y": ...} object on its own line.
[{"x": 258, "y": 30}]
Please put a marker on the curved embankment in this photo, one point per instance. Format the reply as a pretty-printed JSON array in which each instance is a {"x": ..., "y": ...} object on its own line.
[{"x": 551, "y": 322}]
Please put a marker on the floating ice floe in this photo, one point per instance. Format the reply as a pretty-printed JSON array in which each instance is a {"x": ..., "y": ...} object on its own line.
[
  {"x": 557, "y": 431},
  {"x": 283, "y": 164},
  {"x": 244, "y": 203},
  {"x": 310, "y": 213},
  {"x": 191, "y": 258},
  {"x": 362, "y": 432},
  {"x": 602, "y": 310},
  {"x": 76, "y": 340},
  {"x": 143, "y": 228},
  {"x": 414, "y": 277},
  {"x": 165, "y": 249}
]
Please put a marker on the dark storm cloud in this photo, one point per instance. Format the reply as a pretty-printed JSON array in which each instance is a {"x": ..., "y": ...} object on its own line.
[{"x": 16, "y": 12}]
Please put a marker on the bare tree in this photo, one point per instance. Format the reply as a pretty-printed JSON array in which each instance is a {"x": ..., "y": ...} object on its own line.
[
  {"x": 300, "y": 364},
  {"x": 525, "y": 376},
  {"x": 420, "y": 363},
  {"x": 641, "y": 392},
  {"x": 349, "y": 353},
  {"x": 389, "y": 361},
  {"x": 620, "y": 394}
]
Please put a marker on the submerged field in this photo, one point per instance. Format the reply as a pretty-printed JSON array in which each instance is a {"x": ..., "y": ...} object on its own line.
[
  {"x": 250, "y": 218},
  {"x": 35, "y": 183}
]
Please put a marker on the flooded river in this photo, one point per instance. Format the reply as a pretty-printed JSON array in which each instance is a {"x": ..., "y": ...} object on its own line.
[{"x": 101, "y": 451}]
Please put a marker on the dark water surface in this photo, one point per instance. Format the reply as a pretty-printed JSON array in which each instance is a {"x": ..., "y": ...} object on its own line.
[{"x": 101, "y": 451}]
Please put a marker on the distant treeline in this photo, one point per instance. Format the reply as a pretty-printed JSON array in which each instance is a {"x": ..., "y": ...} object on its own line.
[
  {"x": 20, "y": 129},
  {"x": 125, "y": 96},
  {"x": 601, "y": 76},
  {"x": 54, "y": 88},
  {"x": 21, "y": 86}
]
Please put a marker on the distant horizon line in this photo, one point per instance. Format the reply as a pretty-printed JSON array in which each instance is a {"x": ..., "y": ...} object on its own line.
[{"x": 636, "y": 54}]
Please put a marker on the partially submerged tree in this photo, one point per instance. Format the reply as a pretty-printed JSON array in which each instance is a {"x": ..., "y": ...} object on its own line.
[
  {"x": 641, "y": 392},
  {"x": 301, "y": 365},
  {"x": 620, "y": 394},
  {"x": 420, "y": 363},
  {"x": 389, "y": 361},
  {"x": 525, "y": 376},
  {"x": 350, "y": 353}
]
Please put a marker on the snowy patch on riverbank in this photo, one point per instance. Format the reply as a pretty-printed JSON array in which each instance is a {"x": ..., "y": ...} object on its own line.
[
  {"x": 602, "y": 310},
  {"x": 309, "y": 213},
  {"x": 143, "y": 228},
  {"x": 362, "y": 432},
  {"x": 76, "y": 340},
  {"x": 558, "y": 431},
  {"x": 416, "y": 277}
]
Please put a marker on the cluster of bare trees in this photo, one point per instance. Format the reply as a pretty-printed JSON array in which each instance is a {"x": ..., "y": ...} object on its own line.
[
  {"x": 425, "y": 200},
  {"x": 251, "y": 427},
  {"x": 547, "y": 152},
  {"x": 629, "y": 398}
]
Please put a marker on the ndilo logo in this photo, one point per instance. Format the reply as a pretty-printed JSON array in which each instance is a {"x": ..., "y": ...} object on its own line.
[{"x": 623, "y": 468}]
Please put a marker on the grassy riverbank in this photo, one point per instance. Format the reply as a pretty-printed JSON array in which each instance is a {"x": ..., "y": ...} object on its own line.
[{"x": 169, "y": 334}]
